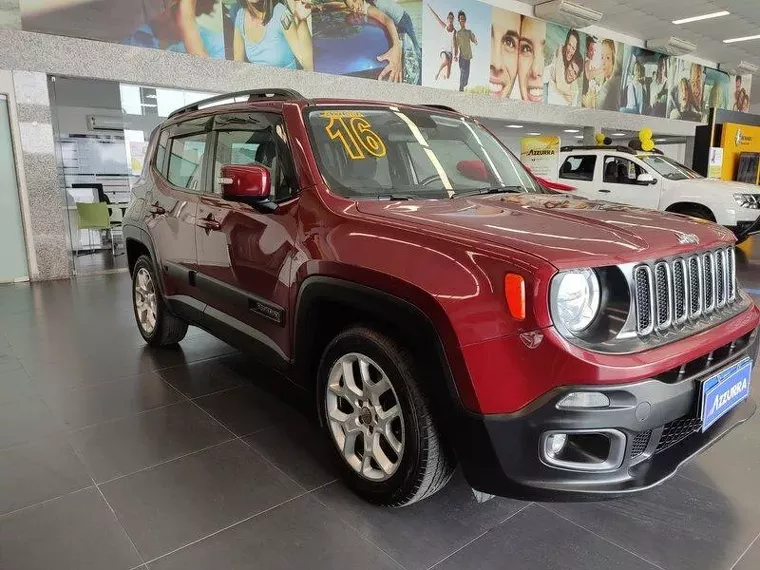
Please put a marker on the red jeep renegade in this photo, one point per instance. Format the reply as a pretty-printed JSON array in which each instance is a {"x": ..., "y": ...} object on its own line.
[{"x": 401, "y": 266}]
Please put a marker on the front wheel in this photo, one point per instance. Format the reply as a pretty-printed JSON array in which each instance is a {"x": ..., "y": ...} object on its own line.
[
  {"x": 156, "y": 324},
  {"x": 379, "y": 420}
]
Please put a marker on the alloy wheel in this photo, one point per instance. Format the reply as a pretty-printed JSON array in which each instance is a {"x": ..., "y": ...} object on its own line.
[{"x": 146, "y": 304}]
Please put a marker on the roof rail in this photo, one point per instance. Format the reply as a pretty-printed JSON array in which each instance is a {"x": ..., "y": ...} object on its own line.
[
  {"x": 252, "y": 95},
  {"x": 442, "y": 108},
  {"x": 618, "y": 148}
]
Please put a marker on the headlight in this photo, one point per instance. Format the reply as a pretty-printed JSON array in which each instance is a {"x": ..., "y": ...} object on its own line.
[
  {"x": 577, "y": 299},
  {"x": 748, "y": 200}
]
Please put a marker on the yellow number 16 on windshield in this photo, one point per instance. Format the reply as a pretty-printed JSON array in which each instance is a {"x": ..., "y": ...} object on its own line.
[{"x": 356, "y": 136}]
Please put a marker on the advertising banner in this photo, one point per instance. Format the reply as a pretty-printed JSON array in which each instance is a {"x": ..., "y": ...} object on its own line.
[
  {"x": 541, "y": 155},
  {"x": 464, "y": 45}
]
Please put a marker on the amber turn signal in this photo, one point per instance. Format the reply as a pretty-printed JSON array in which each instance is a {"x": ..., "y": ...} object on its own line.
[{"x": 514, "y": 290}]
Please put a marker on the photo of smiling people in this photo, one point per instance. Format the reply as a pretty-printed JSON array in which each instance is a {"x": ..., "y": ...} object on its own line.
[
  {"x": 531, "y": 59},
  {"x": 455, "y": 45},
  {"x": 644, "y": 87},
  {"x": 740, "y": 86},
  {"x": 686, "y": 85},
  {"x": 505, "y": 40},
  {"x": 187, "y": 26},
  {"x": 375, "y": 39},
  {"x": 563, "y": 76},
  {"x": 269, "y": 32},
  {"x": 602, "y": 74}
]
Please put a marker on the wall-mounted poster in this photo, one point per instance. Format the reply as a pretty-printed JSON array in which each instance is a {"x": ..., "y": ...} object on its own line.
[
  {"x": 530, "y": 63},
  {"x": 375, "y": 39},
  {"x": 739, "y": 87},
  {"x": 269, "y": 32},
  {"x": 716, "y": 92},
  {"x": 505, "y": 41},
  {"x": 602, "y": 73},
  {"x": 686, "y": 83},
  {"x": 187, "y": 26},
  {"x": 644, "y": 87},
  {"x": 563, "y": 74},
  {"x": 455, "y": 45},
  {"x": 541, "y": 155}
]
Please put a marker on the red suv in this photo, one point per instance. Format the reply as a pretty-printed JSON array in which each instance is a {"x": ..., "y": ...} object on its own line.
[{"x": 400, "y": 265}]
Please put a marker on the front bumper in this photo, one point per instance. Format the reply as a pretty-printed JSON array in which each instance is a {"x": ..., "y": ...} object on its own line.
[{"x": 500, "y": 454}]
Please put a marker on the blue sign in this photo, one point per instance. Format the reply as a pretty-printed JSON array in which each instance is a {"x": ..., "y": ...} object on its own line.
[{"x": 724, "y": 391}]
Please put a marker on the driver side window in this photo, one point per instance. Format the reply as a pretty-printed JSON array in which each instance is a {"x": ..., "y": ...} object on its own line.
[{"x": 621, "y": 170}]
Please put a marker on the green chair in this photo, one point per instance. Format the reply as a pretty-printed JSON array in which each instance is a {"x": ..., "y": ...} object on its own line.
[{"x": 93, "y": 216}]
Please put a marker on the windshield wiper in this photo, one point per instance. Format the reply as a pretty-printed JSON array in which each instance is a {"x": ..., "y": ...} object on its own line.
[
  {"x": 497, "y": 190},
  {"x": 395, "y": 197}
]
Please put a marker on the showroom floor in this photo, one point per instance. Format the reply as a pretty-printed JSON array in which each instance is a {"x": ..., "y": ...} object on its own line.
[{"x": 114, "y": 456}]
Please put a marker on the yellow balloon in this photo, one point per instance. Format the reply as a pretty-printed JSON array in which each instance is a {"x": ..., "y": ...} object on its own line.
[
  {"x": 647, "y": 145},
  {"x": 599, "y": 138},
  {"x": 645, "y": 134}
]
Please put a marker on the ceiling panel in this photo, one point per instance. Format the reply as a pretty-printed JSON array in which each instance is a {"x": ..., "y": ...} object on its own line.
[{"x": 647, "y": 19}]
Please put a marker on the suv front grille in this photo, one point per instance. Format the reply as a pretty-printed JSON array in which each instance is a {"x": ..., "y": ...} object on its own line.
[{"x": 683, "y": 288}]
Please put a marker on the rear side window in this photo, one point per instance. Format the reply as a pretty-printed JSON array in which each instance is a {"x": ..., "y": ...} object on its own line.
[
  {"x": 579, "y": 167},
  {"x": 186, "y": 161},
  {"x": 160, "y": 160}
]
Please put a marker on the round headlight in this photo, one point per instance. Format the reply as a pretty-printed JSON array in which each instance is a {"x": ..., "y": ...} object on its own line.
[{"x": 578, "y": 299}]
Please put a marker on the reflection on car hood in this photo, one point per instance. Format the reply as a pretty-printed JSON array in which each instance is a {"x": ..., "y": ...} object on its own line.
[
  {"x": 564, "y": 230},
  {"x": 709, "y": 184}
]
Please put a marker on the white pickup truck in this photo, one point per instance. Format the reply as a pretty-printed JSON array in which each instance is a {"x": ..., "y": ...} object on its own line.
[{"x": 652, "y": 180}]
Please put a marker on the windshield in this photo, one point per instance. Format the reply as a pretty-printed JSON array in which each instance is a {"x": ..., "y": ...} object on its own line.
[
  {"x": 409, "y": 154},
  {"x": 669, "y": 168}
]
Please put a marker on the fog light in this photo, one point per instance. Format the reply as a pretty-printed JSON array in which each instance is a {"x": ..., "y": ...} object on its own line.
[
  {"x": 576, "y": 400},
  {"x": 555, "y": 443}
]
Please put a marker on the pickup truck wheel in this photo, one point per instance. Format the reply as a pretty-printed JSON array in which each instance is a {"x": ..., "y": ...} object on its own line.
[
  {"x": 157, "y": 325},
  {"x": 379, "y": 420}
]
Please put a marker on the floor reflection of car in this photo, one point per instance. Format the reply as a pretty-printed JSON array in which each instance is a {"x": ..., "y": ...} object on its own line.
[{"x": 651, "y": 180}]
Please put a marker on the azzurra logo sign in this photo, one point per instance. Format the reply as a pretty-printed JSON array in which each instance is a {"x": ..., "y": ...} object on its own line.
[{"x": 725, "y": 390}]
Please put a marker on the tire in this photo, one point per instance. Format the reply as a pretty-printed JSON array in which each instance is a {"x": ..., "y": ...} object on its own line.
[
  {"x": 424, "y": 465},
  {"x": 696, "y": 212},
  {"x": 163, "y": 329}
]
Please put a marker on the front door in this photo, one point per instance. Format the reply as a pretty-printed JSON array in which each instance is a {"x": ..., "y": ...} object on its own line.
[
  {"x": 244, "y": 255},
  {"x": 619, "y": 184}
]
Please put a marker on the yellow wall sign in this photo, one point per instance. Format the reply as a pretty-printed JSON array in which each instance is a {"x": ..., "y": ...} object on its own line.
[
  {"x": 541, "y": 155},
  {"x": 735, "y": 140}
]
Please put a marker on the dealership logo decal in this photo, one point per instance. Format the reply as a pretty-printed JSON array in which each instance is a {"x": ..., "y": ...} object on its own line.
[
  {"x": 539, "y": 152},
  {"x": 725, "y": 397}
]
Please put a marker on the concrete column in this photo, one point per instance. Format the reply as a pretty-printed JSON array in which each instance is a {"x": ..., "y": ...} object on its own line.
[
  {"x": 689, "y": 154},
  {"x": 589, "y": 134}
]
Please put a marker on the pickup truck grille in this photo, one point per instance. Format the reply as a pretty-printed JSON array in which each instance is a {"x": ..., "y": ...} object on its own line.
[{"x": 671, "y": 292}]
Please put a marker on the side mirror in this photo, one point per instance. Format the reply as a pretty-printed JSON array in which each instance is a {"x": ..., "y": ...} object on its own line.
[
  {"x": 473, "y": 169},
  {"x": 646, "y": 179},
  {"x": 250, "y": 184}
]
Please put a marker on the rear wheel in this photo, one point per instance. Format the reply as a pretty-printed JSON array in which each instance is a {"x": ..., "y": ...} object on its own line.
[
  {"x": 379, "y": 420},
  {"x": 156, "y": 324},
  {"x": 695, "y": 211}
]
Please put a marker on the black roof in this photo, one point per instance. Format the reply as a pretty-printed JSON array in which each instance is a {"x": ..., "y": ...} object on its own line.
[{"x": 618, "y": 148}]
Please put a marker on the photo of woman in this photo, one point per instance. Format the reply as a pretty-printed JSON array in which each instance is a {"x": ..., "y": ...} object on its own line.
[
  {"x": 563, "y": 76},
  {"x": 685, "y": 78},
  {"x": 739, "y": 93},
  {"x": 505, "y": 40},
  {"x": 272, "y": 32},
  {"x": 603, "y": 89},
  {"x": 658, "y": 88},
  {"x": 530, "y": 63},
  {"x": 462, "y": 29},
  {"x": 369, "y": 38}
]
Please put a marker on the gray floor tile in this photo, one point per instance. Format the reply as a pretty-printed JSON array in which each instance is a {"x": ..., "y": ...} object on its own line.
[
  {"x": 80, "y": 407},
  {"x": 247, "y": 409},
  {"x": 15, "y": 385},
  {"x": 75, "y": 532},
  {"x": 173, "y": 504},
  {"x": 25, "y": 420},
  {"x": 751, "y": 559},
  {"x": 680, "y": 525},
  {"x": 38, "y": 471},
  {"x": 536, "y": 539},
  {"x": 299, "y": 448},
  {"x": 422, "y": 534},
  {"x": 127, "y": 445},
  {"x": 202, "y": 378},
  {"x": 189, "y": 350},
  {"x": 299, "y": 534}
]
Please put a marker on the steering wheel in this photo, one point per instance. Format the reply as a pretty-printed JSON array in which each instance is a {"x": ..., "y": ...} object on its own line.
[{"x": 430, "y": 179}]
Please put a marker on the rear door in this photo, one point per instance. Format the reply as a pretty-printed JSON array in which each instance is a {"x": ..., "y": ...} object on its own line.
[
  {"x": 579, "y": 171},
  {"x": 619, "y": 184},
  {"x": 172, "y": 202},
  {"x": 244, "y": 255}
]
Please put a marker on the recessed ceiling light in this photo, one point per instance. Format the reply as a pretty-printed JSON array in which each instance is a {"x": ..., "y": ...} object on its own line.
[
  {"x": 572, "y": 131},
  {"x": 533, "y": 134},
  {"x": 619, "y": 134},
  {"x": 578, "y": 136},
  {"x": 702, "y": 17},
  {"x": 744, "y": 39},
  {"x": 660, "y": 140},
  {"x": 514, "y": 126}
]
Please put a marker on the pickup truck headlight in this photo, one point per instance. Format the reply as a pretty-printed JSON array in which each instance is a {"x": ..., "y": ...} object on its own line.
[
  {"x": 748, "y": 200},
  {"x": 577, "y": 299}
]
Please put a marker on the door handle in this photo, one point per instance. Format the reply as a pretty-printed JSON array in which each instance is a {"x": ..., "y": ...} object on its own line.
[
  {"x": 157, "y": 210},
  {"x": 605, "y": 191},
  {"x": 210, "y": 224}
]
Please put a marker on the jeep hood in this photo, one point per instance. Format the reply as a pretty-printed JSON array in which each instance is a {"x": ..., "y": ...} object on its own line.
[{"x": 563, "y": 230}]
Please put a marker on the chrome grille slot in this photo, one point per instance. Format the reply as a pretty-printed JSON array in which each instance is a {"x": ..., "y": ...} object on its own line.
[
  {"x": 708, "y": 271},
  {"x": 662, "y": 289},
  {"x": 680, "y": 292},
  {"x": 673, "y": 292}
]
